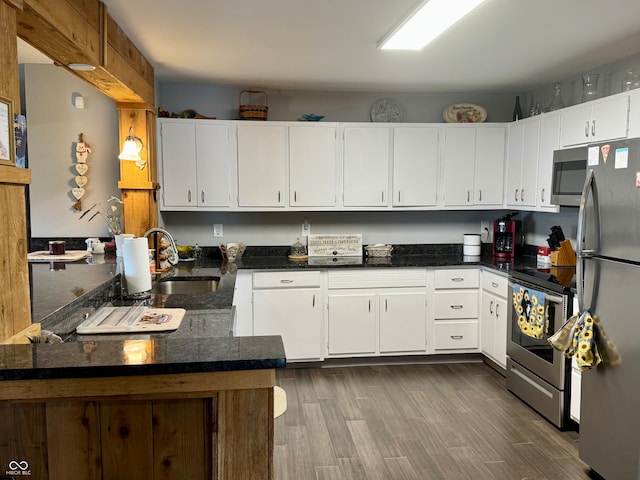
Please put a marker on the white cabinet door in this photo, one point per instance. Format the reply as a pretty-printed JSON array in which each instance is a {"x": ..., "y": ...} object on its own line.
[
  {"x": 522, "y": 168},
  {"x": 352, "y": 324},
  {"x": 500, "y": 345},
  {"x": 366, "y": 166},
  {"x": 296, "y": 315},
  {"x": 213, "y": 160},
  {"x": 549, "y": 141},
  {"x": 634, "y": 115},
  {"x": 458, "y": 164},
  {"x": 178, "y": 144},
  {"x": 489, "y": 166},
  {"x": 415, "y": 161},
  {"x": 313, "y": 160},
  {"x": 600, "y": 120},
  {"x": 262, "y": 165},
  {"x": 403, "y": 322},
  {"x": 488, "y": 324}
]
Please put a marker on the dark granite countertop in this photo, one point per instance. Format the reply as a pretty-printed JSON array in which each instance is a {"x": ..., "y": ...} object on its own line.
[{"x": 203, "y": 343}]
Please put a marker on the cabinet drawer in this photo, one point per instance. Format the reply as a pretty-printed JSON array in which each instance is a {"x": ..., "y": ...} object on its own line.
[
  {"x": 377, "y": 278},
  {"x": 455, "y": 335},
  {"x": 286, "y": 279},
  {"x": 496, "y": 284},
  {"x": 455, "y": 305},
  {"x": 457, "y": 278}
]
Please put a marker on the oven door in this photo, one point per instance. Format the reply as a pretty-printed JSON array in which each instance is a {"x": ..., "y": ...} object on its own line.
[{"x": 537, "y": 355}]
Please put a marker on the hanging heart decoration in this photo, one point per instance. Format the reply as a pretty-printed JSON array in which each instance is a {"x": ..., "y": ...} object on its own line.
[
  {"x": 81, "y": 181},
  {"x": 82, "y": 168},
  {"x": 78, "y": 192}
]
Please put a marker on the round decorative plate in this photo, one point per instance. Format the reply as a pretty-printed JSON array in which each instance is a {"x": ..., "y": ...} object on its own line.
[
  {"x": 386, "y": 110},
  {"x": 464, "y": 113}
]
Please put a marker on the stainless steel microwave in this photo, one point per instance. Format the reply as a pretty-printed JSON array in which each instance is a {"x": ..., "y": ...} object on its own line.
[{"x": 569, "y": 174}]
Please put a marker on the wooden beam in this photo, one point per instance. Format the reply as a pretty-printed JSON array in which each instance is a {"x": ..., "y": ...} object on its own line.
[{"x": 81, "y": 31}]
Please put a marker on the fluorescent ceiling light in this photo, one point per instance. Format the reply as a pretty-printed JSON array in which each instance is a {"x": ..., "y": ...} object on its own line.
[{"x": 425, "y": 23}]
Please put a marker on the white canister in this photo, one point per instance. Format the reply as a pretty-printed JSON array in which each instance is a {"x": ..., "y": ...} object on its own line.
[
  {"x": 471, "y": 250},
  {"x": 471, "y": 239}
]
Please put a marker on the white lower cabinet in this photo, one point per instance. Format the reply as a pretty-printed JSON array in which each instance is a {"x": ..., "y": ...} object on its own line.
[
  {"x": 376, "y": 312},
  {"x": 290, "y": 304},
  {"x": 576, "y": 387},
  {"x": 493, "y": 321},
  {"x": 455, "y": 310}
]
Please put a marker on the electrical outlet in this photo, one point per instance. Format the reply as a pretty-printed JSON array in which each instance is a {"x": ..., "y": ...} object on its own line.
[
  {"x": 485, "y": 231},
  {"x": 306, "y": 229},
  {"x": 217, "y": 230}
]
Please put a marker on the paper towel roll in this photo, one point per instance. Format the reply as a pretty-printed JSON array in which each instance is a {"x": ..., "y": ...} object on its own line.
[{"x": 136, "y": 265}]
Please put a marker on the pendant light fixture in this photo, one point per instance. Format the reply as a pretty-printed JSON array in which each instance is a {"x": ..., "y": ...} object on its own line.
[{"x": 131, "y": 150}]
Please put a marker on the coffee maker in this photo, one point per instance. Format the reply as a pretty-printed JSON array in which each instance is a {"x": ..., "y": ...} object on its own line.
[{"x": 507, "y": 237}]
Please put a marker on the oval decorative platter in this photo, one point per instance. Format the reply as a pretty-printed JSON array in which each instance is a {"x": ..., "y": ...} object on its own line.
[{"x": 464, "y": 113}]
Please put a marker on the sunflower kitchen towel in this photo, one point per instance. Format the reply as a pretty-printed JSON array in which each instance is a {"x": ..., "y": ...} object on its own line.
[
  {"x": 529, "y": 306},
  {"x": 578, "y": 337}
]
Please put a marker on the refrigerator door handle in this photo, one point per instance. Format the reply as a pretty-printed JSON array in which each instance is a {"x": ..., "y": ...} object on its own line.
[{"x": 582, "y": 252}]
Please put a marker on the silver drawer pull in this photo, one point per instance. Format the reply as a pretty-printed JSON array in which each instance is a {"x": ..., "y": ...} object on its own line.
[
  {"x": 494, "y": 284},
  {"x": 457, "y": 337},
  {"x": 286, "y": 281},
  {"x": 456, "y": 307},
  {"x": 457, "y": 279}
]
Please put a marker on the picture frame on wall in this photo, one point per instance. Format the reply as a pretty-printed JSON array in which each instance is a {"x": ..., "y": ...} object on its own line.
[{"x": 7, "y": 133}]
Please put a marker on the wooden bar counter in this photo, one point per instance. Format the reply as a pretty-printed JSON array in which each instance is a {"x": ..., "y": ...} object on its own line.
[{"x": 178, "y": 406}]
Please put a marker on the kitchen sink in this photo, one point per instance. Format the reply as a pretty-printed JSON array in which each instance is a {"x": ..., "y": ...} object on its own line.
[{"x": 177, "y": 285}]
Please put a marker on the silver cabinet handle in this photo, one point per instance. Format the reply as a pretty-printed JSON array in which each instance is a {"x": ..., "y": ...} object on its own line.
[
  {"x": 386, "y": 305},
  {"x": 468, "y": 195},
  {"x": 202, "y": 196},
  {"x": 295, "y": 196},
  {"x": 494, "y": 284},
  {"x": 542, "y": 195},
  {"x": 593, "y": 128},
  {"x": 369, "y": 306},
  {"x": 286, "y": 280},
  {"x": 516, "y": 195},
  {"x": 480, "y": 195},
  {"x": 457, "y": 337},
  {"x": 491, "y": 307},
  {"x": 278, "y": 196},
  {"x": 456, "y": 307},
  {"x": 189, "y": 196},
  {"x": 586, "y": 130},
  {"x": 398, "y": 196},
  {"x": 313, "y": 303},
  {"x": 522, "y": 195},
  {"x": 457, "y": 279},
  {"x": 497, "y": 305},
  {"x": 382, "y": 196}
]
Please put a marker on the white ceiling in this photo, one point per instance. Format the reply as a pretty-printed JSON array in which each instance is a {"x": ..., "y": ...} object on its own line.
[{"x": 505, "y": 45}]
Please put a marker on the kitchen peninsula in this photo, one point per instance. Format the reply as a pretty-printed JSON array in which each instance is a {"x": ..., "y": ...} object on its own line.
[{"x": 194, "y": 403}]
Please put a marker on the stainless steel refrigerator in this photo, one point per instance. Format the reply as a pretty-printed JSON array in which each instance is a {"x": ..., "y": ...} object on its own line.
[{"x": 608, "y": 282}]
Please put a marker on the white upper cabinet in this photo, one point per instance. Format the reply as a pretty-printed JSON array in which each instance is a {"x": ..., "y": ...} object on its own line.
[
  {"x": 262, "y": 165},
  {"x": 549, "y": 141},
  {"x": 313, "y": 165},
  {"x": 459, "y": 165},
  {"x": 599, "y": 120},
  {"x": 522, "y": 166},
  {"x": 415, "y": 166},
  {"x": 366, "y": 156},
  {"x": 634, "y": 114},
  {"x": 473, "y": 164},
  {"x": 195, "y": 161},
  {"x": 489, "y": 166}
]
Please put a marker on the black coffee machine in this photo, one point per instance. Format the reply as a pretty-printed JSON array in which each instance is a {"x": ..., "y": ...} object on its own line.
[{"x": 507, "y": 237}]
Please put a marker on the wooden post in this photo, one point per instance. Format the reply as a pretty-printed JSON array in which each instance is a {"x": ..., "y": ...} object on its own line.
[
  {"x": 15, "y": 304},
  {"x": 138, "y": 185}
]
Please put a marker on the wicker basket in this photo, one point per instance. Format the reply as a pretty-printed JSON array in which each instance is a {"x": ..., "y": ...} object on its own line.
[{"x": 253, "y": 112}]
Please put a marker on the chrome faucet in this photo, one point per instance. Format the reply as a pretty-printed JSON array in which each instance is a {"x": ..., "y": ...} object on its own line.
[{"x": 173, "y": 256}]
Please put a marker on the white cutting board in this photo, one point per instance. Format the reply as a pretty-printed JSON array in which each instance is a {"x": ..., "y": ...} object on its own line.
[
  {"x": 132, "y": 320},
  {"x": 69, "y": 256}
]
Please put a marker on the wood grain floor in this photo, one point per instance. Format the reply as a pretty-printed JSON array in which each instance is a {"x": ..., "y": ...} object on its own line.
[{"x": 415, "y": 422}]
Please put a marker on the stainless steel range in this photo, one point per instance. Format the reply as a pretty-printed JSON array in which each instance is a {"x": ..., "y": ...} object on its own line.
[{"x": 536, "y": 372}]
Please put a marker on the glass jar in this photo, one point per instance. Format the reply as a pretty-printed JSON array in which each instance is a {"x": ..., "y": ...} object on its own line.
[
  {"x": 556, "y": 100},
  {"x": 590, "y": 87}
]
